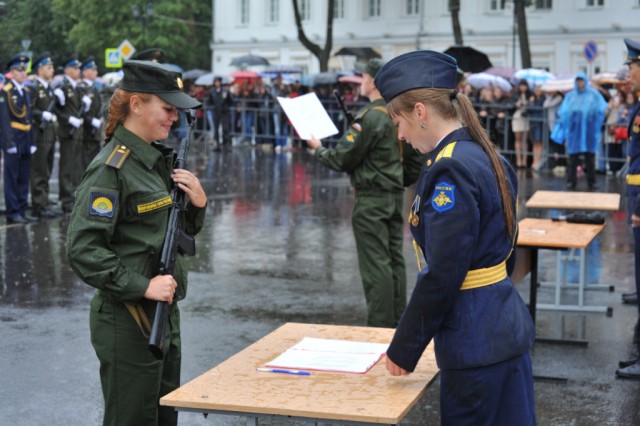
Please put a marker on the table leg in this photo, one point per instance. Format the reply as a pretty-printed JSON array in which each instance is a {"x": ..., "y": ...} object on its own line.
[{"x": 533, "y": 290}]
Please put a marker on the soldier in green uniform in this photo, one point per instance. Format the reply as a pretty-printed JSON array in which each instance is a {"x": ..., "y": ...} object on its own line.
[
  {"x": 115, "y": 237},
  {"x": 371, "y": 153},
  {"x": 70, "y": 108},
  {"x": 92, "y": 126},
  {"x": 42, "y": 105}
]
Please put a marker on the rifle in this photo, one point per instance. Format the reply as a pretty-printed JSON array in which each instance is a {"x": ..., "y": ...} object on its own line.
[
  {"x": 79, "y": 114},
  {"x": 43, "y": 123},
  {"x": 340, "y": 99},
  {"x": 175, "y": 240}
]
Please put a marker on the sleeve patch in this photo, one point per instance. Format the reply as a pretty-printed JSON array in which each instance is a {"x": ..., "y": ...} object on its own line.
[
  {"x": 443, "y": 197},
  {"x": 102, "y": 204}
]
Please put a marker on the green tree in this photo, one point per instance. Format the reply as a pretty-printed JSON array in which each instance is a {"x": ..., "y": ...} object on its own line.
[{"x": 87, "y": 27}]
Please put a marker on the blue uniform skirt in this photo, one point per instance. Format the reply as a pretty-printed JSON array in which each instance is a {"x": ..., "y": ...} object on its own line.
[{"x": 497, "y": 394}]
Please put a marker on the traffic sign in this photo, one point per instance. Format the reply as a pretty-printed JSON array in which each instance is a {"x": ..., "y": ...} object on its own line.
[
  {"x": 590, "y": 50},
  {"x": 112, "y": 58},
  {"x": 126, "y": 49}
]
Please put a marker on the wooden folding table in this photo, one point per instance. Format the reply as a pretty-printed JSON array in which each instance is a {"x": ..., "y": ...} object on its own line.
[{"x": 235, "y": 387}]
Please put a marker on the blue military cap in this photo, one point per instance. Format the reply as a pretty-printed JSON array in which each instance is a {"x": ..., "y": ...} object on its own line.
[
  {"x": 18, "y": 61},
  {"x": 88, "y": 63},
  {"x": 43, "y": 59},
  {"x": 633, "y": 51},
  {"x": 415, "y": 70},
  {"x": 72, "y": 61}
]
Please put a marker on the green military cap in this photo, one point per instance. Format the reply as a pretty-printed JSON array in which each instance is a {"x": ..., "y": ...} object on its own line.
[
  {"x": 372, "y": 67},
  {"x": 159, "y": 79}
]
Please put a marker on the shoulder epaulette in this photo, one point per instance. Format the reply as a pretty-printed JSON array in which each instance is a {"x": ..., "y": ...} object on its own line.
[
  {"x": 447, "y": 152},
  {"x": 381, "y": 108},
  {"x": 117, "y": 156},
  {"x": 7, "y": 87}
]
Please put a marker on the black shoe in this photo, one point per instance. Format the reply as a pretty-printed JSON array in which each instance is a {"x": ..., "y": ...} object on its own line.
[
  {"x": 571, "y": 186},
  {"x": 630, "y": 372},
  {"x": 17, "y": 219},
  {"x": 29, "y": 218},
  {"x": 47, "y": 214},
  {"x": 623, "y": 364},
  {"x": 630, "y": 298}
]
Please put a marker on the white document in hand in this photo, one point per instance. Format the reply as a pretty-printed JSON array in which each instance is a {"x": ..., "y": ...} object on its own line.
[{"x": 308, "y": 116}]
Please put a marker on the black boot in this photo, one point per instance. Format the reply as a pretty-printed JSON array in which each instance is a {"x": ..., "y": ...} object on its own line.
[{"x": 630, "y": 298}]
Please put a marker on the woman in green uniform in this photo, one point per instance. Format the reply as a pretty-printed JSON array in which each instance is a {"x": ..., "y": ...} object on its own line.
[{"x": 115, "y": 238}]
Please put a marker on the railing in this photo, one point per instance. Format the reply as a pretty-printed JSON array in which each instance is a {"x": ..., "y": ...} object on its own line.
[{"x": 262, "y": 121}]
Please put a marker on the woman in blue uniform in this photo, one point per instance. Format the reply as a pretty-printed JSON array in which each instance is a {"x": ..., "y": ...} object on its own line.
[{"x": 463, "y": 221}]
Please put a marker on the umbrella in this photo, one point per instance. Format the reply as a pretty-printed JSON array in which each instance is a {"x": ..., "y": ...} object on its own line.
[
  {"x": 207, "y": 79},
  {"x": 327, "y": 77},
  {"x": 193, "y": 74},
  {"x": 364, "y": 53},
  {"x": 282, "y": 69},
  {"x": 353, "y": 79},
  {"x": 469, "y": 59},
  {"x": 484, "y": 79},
  {"x": 560, "y": 85},
  {"x": 249, "y": 60},
  {"x": 504, "y": 72},
  {"x": 244, "y": 74},
  {"x": 534, "y": 76},
  {"x": 610, "y": 77}
]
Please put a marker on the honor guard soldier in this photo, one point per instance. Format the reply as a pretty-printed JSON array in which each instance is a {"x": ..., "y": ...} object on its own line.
[
  {"x": 44, "y": 128},
  {"x": 17, "y": 140},
  {"x": 71, "y": 108},
  {"x": 631, "y": 369},
  {"x": 463, "y": 220},
  {"x": 371, "y": 153},
  {"x": 92, "y": 131}
]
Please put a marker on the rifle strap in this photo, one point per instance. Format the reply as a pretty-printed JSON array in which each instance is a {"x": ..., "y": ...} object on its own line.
[{"x": 140, "y": 318}]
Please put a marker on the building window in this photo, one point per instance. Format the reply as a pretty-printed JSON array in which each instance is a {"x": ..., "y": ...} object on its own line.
[
  {"x": 374, "y": 9},
  {"x": 338, "y": 9},
  {"x": 244, "y": 12},
  {"x": 594, "y": 3},
  {"x": 544, "y": 4},
  {"x": 495, "y": 5},
  {"x": 412, "y": 7},
  {"x": 274, "y": 11},
  {"x": 305, "y": 9}
]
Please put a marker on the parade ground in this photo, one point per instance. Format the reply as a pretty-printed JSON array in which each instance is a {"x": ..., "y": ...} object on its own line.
[{"x": 278, "y": 247}]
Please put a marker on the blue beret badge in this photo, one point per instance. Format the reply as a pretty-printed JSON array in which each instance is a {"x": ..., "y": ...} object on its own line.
[
  {"x": 103, "y": 205},
  {"x": 443, "y": 197}
]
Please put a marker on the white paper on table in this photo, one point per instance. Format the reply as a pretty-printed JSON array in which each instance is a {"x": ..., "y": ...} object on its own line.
[
  {"x": 330, "y": 355},
  {"x": 308, "y": 116}
]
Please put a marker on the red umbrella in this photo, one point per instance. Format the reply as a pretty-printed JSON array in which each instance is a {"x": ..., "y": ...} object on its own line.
[
  {"x": 244, "y": 74},
  {"x": 353, "y": 79}
]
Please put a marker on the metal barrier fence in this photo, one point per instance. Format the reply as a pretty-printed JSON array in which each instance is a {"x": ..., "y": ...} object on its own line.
[{"x": 262, "y": 121}]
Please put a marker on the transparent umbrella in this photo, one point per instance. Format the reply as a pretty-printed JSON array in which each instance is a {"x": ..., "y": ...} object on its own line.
[{"x": 249, "y": 60}]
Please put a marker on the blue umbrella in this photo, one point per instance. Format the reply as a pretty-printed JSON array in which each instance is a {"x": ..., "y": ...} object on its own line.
[{"x": 534, "y": 76}]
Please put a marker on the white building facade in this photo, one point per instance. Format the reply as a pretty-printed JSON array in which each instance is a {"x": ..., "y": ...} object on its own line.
[{"x": 558, "y": 31}]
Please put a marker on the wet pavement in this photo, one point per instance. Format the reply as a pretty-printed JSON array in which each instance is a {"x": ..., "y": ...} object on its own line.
[{"x": 277, "y": 247}]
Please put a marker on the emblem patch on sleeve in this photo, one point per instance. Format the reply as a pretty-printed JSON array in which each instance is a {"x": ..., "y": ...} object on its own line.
[
  {"x": 443, "y": 197},
  {"x": 102, "y": 204}
]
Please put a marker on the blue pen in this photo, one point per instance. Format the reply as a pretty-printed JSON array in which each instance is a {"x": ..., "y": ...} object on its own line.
[{"x": 280, "y": 370}]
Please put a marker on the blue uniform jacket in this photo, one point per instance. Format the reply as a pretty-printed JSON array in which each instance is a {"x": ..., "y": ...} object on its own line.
[
  {"x": 16, "y": 119},
  {"x": 461, "y": 227},
  {"x": 633, "y": 191}
]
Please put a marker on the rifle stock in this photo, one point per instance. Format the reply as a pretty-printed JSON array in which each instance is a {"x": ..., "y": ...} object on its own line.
[{"x": 175, "y": 241}]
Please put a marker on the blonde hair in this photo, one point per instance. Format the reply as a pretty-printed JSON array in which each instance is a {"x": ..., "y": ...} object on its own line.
[
  {"x": 119, "y": 109},
  {"x": 443, "y": 101}
]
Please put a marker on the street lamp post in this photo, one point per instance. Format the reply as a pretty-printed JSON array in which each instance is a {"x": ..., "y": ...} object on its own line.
[{"x": 144, "y": 16}]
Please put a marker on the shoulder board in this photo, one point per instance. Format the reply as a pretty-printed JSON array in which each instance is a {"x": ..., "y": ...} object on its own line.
[
  {"x": 7, "y": 87},
  {"x": 381, "y": 108},
  {"x": 447, "y": 151},
  {"x": 361, "y": 113},
  {"x": 117, "y": 156}
]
